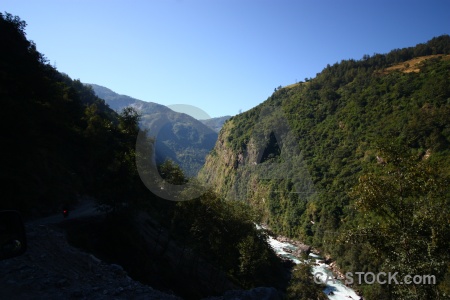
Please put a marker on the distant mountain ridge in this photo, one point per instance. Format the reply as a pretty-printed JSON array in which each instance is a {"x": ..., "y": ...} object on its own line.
[
  {"x": 216, "y": 123},
  {"x": 183, "y": 139},
  {"x": 118, "y": 102}
]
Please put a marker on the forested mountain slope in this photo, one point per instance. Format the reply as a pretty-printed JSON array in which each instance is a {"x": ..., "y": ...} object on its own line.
[
  {"x": 60, "y": 139},
  {"x": 365, "y": 142},
  {"x": 183, "y": 139}
]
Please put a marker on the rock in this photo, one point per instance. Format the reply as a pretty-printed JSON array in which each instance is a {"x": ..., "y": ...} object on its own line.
[
  {"x": 62, "y": 282},
  {"x": 118, "y": 291},
  {"x": 287, "y": 250},
  {"x": 259, "y": 293},
  {"x": 117, "y": 270},
  {"x": 95, "y": 259},
  {"x": 77, "y": 294}
]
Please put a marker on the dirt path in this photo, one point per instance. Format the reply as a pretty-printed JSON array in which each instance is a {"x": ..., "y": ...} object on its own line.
[
  {"x": 85, "y": 208},
  {"x": 52, "y": 269}
]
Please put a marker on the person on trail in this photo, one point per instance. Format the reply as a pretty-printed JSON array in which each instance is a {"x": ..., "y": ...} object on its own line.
[{"x": 65, "y": 211}]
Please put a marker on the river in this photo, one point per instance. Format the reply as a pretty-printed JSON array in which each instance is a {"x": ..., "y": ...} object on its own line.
[{"x": 334, "y": 290}]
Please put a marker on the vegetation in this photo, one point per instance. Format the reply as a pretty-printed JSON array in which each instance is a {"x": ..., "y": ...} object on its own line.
[
  {"x": 61, "y": 140},
  {"x": 302, "y": 286},
  {"x": 404, "y": 209},
  {"x": 301, "y": 182},
  {"x": 225, "y": 232}
]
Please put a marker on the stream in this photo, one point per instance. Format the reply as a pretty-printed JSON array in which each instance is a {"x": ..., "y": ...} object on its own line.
[{"x": 334, "y": 290}]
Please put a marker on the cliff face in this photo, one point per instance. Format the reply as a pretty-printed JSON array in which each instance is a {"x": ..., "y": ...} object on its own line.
[
  {"x": 296, "y": 156},
  {"x": 251, "y": 170},
  {"x": 220, "y": 163}
]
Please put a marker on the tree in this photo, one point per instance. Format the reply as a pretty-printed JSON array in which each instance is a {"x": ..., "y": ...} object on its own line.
[
  {"x": 302, "y": 285},
  {"x": 255, "y": 259},
  {"x": 405, "y": 208},
  {"x": 225, "y": 233},
  {"x": 171, "y": 172},
  {"x": 129, "y": 121}
]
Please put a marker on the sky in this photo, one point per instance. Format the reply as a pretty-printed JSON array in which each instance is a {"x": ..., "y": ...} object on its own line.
[{"x": 222, "y": 56}]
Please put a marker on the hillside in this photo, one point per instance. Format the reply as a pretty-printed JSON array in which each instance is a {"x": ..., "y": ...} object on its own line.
[
  {"x": 183, "y": 139},
  {"x": 301, "y": 159},
  {"x": 413, "y": 65},
  {"x": 61, "y": 140}
]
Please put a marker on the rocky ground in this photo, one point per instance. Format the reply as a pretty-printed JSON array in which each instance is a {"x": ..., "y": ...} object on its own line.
[{"x": 52, "y": 269}]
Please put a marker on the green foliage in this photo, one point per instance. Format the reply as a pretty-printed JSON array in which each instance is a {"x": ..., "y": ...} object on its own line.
[
  {"x": 225, "y": 232},
  {"x": 336, "y": 121},
  {"x": 171, "y": 173},
  {"x": 405, "y": 210},
  {"x": 302, "y": 285}
]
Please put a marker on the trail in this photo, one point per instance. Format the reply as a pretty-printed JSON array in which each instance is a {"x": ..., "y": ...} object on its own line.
[
  {"x": 85, "y": 208},
  {"x": 52, "y": 269}
]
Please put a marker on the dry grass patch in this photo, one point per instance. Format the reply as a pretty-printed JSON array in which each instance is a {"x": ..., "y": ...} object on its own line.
[{"x": 412, "y": 65}]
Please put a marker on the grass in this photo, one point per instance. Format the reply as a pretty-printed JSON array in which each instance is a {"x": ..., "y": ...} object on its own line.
[{"x": 412, "y": 65}]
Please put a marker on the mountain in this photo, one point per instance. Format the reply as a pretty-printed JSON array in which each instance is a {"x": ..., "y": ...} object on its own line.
[
  {"x": 181, "y": 138},
  {"x": 303, "y": 159},
  {"x": 215, "y": 123}
]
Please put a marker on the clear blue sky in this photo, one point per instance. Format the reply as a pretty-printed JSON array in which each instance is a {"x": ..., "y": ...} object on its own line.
[{"x": 219, "y": 55}]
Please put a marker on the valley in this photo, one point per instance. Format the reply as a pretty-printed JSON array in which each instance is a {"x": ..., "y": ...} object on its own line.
[{"x": 353, "y": 164}]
